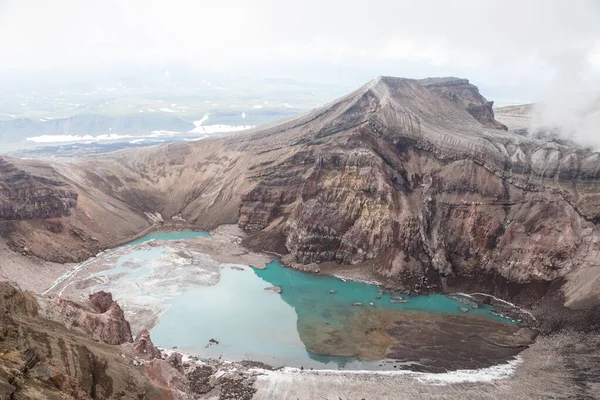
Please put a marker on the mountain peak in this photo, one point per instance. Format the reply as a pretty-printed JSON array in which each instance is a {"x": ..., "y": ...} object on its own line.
[{"x": 459, "y": 91}]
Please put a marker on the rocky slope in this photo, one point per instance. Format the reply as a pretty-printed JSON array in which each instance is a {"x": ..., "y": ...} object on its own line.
[
  {"x": 27, "y": 195},
  {"x": 41, "y": 358},
  {"x": 413, "y": 182},
  {"x": 56, "y": 350}
]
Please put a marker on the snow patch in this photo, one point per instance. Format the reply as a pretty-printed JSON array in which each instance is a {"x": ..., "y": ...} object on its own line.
[
  {"x": 201, "y": 120},
  {"x": 75, "y": 138},
  {"x": 218, "y": 128},
  {"x": 489, "y": 374}
]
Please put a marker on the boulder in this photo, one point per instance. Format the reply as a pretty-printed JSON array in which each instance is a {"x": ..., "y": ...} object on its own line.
[{"x": 274, "y": 289}]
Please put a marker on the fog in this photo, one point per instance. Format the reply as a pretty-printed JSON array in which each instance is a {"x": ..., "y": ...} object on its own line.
[
  {"x": 515, "y": 51},
  {"x": 570, "y": 106}
]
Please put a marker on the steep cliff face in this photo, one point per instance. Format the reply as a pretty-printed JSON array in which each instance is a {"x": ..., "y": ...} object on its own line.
[
  {"x": 25, "y": 195},
  {"x": 410, "y": 180},
  {"x": 41, "y": 358},
  {"x": 460, "y": 91},
  {"x": 100, "y": 318},
  {"x": 45, "y": 356},
  {"x": 368, "y": 198},
  {"x": 418, "y": 187}
]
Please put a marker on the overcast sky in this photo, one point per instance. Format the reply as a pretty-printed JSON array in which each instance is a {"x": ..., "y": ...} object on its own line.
[{"x": 513, "y": 48}]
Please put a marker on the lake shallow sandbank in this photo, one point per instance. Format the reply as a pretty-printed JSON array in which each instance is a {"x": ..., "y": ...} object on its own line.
[{"x": 197, "y": 292}]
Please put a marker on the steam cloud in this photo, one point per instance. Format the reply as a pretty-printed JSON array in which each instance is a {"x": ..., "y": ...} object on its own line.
[{"x": 570, "y": 106}]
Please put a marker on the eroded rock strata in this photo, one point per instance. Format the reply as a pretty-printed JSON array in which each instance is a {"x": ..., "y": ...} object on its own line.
[
  {"x": 48, "y": 355},
  {"x": 411, "y": 181},
  {"x": 42, "y": 358}
]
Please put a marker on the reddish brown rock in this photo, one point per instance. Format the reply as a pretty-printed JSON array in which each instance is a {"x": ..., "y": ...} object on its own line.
[
  {"x": 45, "y": 356},
  {"x": 412, "y": 180},
  {"x": 102, "y": 318},
  {"x": 175, "y": 361},
  {"x": 53, "y": 225},
  {"x": 144, "y": 347},
  {"x": 29, "y": 193}
]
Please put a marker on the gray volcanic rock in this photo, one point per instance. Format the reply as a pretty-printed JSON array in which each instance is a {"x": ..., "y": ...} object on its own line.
[
  {"x": 461, "y": 91},
  {"x": 175, "y": 361}
]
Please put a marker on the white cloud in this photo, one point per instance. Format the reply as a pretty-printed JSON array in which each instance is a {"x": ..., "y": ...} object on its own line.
[
  {"x": 509, "y": 44},
  {"x": 76, "y": 32}
]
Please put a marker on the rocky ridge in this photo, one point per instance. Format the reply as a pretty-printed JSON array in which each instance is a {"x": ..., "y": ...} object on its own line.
[
  {"x": 100, "y": 318},
  {"x": 27, "y": 195},
  {"x": 411, "y": 181},
  {"x": 46, "y": 355}
]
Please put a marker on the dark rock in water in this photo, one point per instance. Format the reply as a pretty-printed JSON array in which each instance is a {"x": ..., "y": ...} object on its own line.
[
  {"x": 274, "y": 289},
  {"x": 378, "y": 297},
  {"x": 213, "y": 341},
  {"x": 464, "y": 300}
]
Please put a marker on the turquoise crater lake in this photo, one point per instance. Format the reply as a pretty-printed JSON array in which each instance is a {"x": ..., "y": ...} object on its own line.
[{"x": 314, "y": 322}]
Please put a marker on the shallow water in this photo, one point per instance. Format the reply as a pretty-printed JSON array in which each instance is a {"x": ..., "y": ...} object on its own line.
[
  {"x": 252, "y": 323},
  {"x": 173, "y": 235},
  {"x": 305, "y": 325},
  {"x": 309, "y": 294}
]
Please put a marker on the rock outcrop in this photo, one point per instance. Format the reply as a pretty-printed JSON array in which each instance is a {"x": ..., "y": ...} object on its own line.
[
  {"x": 144, "y": 347},
  {"x": 412, "y": 181},
  {"x": 460, "y": 91},
  {"x": 42, "y": 358},
  {"x": 101, "y": 317},
  {"x": 27, "y": 195}
]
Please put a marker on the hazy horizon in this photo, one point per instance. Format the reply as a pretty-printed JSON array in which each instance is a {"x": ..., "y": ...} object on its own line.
[
  {"x": 515, "y": 52},
  {"x": 508, "y": 48}
]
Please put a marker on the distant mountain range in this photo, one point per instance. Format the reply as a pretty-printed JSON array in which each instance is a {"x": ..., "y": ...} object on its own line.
[{"x": 155, "y": 101}]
